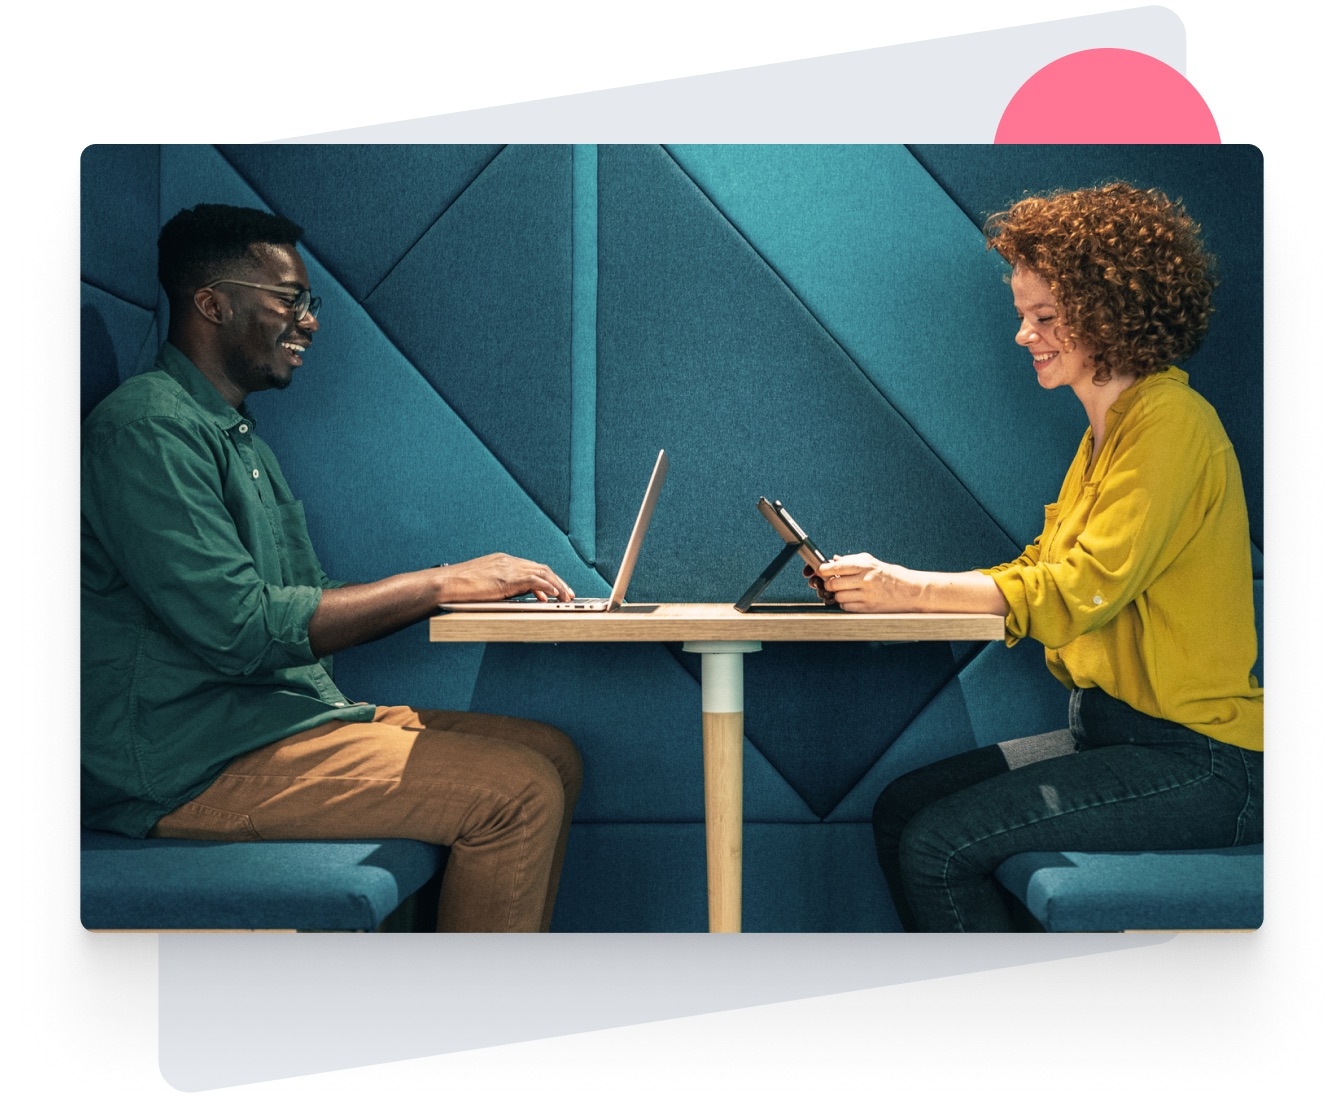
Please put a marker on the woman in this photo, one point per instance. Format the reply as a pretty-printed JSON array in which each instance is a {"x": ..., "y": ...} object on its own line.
[{"x": 1139, "y": 586}]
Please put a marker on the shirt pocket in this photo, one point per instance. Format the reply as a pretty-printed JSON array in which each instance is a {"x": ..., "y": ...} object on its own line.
[
  {"x": 298, "y": 562},
  {"x": 1071, "y": 522}
]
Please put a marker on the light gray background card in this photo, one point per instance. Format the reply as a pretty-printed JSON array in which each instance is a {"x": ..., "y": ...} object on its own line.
[
  {"x": 287, "y": 1006},
  {"x": 950, "y": 90},
  {"x": 242, "y": 1009}
]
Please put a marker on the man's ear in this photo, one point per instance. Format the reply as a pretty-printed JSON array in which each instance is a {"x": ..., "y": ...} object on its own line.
[{"x": 210, "y": 305}]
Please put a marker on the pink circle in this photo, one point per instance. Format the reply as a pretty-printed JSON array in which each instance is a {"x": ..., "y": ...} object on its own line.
[{"x": 1107, "y": 96}]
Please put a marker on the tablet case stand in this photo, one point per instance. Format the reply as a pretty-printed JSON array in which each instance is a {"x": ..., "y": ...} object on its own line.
[{"x": 768, "y": 576}]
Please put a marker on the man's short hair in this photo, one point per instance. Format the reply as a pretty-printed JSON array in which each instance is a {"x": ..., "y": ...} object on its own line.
[{"x": 201, "y": 243}]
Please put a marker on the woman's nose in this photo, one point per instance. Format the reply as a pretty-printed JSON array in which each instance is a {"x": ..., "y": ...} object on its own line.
[{"x": 1026, "y": 334}]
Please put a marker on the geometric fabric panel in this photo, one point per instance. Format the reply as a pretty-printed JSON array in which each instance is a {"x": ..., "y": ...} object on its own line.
[
  {"x": 361, "y": 207},
  {"x": 482, "y": 306},
  {"x": 116, "y": 339},
  {"x": 705, "y": 352},
  {"x": 393, "y": 477},
  {"x": 637, "y": 877},
  {"x": 801, "y": 713},
  {"x": 889, "y": 266},
  {"x": 999, "y": 694},
  {"x": 119, "y": 222},
  {"x": 637, "y": 765}
]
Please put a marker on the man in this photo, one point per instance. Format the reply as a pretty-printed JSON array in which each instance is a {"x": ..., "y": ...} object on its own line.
[{"x": 209, "y": 709}]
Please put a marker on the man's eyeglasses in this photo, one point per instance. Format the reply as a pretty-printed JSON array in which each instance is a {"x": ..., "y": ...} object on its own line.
[{"x": 303, "y": 302}]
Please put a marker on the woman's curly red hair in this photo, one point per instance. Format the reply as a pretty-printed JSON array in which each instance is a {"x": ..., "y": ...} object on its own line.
[{"x": 1126, "y": 265}]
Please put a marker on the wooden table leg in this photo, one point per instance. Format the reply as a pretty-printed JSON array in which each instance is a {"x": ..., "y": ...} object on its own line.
[{"x": 724, "y": 730}]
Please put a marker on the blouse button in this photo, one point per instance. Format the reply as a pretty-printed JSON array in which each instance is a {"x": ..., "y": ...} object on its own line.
[{"x": 1097, "y": 601}]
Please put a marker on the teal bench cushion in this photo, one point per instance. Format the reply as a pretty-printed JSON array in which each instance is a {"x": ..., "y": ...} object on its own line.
[
  {"x": 166, "y": 884},
  {"x": 1205, "y": 889}
]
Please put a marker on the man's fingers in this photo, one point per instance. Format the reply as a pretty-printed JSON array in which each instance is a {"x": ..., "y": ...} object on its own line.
[{"x": 556, "y": 586}]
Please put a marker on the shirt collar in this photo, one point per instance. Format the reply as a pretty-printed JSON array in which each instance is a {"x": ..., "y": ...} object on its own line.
[
  {"x": 1169, "y": 374},
  {"x": 186, "y": 374}
]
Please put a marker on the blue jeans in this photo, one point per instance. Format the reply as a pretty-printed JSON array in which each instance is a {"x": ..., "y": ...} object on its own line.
[{"x": 1117, "y": 780}]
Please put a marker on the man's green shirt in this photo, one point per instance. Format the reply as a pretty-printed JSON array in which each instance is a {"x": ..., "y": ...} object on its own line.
[{"x": 198, "y": 582}]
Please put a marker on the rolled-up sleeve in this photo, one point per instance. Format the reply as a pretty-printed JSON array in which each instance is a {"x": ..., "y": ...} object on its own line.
[{"x": 155, "y": 496}]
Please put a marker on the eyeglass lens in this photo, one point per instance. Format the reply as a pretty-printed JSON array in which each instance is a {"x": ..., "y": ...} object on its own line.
[{"x": 305, "y": 303}]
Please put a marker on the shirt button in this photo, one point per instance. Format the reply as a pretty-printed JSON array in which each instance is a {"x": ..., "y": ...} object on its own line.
[
  {"x": 1097, "y": 601},
  {"x": 256, "y": 474},
  {"x": 339, "y": 703},
  {"x": 242, "y": 428}
]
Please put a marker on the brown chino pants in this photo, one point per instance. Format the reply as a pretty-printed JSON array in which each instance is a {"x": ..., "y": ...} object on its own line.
[{"x": 499, "y": 791}]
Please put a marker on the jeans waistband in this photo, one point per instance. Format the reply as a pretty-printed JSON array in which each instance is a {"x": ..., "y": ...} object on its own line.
[{"x": 1097, "y": 719}]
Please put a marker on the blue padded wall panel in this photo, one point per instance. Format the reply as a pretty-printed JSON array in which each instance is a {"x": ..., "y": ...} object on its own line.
[
  {"x": 705, "y": 352},
  {"x": 817, "y": 879},
  {"x": 404, "y": 670},
  {"x": 942, "y": 729},
  {"x": 1222, "y": 187},
  {"x": 635, "y": 877},
  {"x": 395, "y": 479},
  {"x": 811, "y": 728},
  {"x": 361, "y": 207},
  {"x": 1000, "y": 693},
  {"x": 192, "y": 175},
  {"x": 582, "y": 468},
  {"x": 1009, "y": 692},
  {"x": 116, "y": 340},
  {"x": 890, "y": 267},
  {"x": 119, "y": 221},
  {"x": 482, "y": 306},
  {"x": 633, "y": 711}
]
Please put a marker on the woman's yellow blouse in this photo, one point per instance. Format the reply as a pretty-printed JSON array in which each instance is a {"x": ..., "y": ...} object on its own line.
[{"x": 1141, "y": 583}]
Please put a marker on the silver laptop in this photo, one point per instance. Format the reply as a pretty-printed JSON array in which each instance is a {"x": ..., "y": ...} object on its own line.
[{"x": 529, "y": 602}]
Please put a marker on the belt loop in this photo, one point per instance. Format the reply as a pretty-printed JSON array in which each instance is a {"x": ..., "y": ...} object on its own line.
[{"x": 1074, "y": 715}]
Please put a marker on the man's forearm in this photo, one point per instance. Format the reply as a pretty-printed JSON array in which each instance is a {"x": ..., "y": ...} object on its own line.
[{"x": 350, "y": 615}]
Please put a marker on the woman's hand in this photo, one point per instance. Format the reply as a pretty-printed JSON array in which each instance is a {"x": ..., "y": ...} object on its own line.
[{"x": 863, "y": 584}]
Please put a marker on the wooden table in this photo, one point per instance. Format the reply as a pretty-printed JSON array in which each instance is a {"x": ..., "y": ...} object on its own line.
[{"x": 723, "y": 637}]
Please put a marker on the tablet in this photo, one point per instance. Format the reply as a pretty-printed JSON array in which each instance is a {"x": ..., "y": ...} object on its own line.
[{"x": 791, "y": 532}]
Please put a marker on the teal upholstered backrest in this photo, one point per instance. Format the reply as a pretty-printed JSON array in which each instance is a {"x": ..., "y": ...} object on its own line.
[{"x": 511, "y": 333}]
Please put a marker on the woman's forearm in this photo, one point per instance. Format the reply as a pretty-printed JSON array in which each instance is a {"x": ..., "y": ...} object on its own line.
[
  {"x": 864, "y": 584},
  {"x": 958, "y": 592}
]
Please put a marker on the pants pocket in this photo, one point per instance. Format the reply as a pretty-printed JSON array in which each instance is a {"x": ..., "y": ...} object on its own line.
[
  {"x": 1249, "y": 826},
  {"x": 199, "y": 822}
]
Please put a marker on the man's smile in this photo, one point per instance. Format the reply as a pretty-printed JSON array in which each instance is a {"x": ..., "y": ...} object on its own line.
[{"x": 294, "y": 350}]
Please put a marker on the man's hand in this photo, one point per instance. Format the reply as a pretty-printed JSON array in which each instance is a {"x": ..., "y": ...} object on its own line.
[
  {"x": 350, "y": 615},
  {"x": 494, "y": 577}
]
